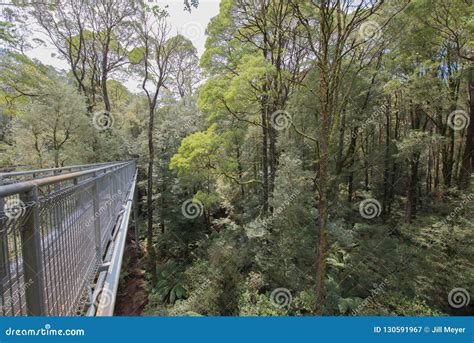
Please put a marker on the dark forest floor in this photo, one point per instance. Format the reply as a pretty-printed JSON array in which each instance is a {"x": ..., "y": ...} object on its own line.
[{"x": 132, "y": 296}]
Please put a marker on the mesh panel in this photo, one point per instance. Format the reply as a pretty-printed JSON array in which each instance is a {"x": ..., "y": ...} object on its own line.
[{"x": 68, "y": 223}]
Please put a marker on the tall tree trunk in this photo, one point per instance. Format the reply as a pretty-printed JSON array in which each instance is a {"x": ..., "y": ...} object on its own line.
[
  {"x": 350, "y": 181},
  {"x": 239, "y": 169},
  {"x": 387, "y": 163},
  {"x": 412, "y": 182},
  {"x": 325, "y": 112},
  {"x": 412, "y": 187},
  {"x": 104, "y": 76},
  {"x": 366, "y": 163},
  {"x": 394, "y": 174},
  {"x": 273, "y": 163},
  {"x": 448, "y": 158},
  {"x": 265, "y": 157},
  {"x": 467, "y": 165},
  {"x": 149, "y": 198},
  {"x": 323, "y": 209},
  {"x": 162, "y": 193},
  {"x": 340, "y": 147}
]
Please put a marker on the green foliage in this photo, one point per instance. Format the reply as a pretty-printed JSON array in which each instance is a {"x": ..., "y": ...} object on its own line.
[
  {"x": 170, "y": 282},
  {"x": 217, "y": 141},
  {"x": 197, "y": 156},
  {"x": 254, "y": 304}
]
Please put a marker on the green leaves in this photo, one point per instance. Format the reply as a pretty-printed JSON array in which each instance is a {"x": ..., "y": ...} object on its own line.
[
  {"x": 197, "y": 156},
  {"x": 170, "y": 282},
  {"x": 136, "y": 55}
]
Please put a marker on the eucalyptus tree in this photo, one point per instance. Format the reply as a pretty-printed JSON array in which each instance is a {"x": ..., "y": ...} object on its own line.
[
  {"x": 339, "y": 35},
  {"x": 153, "y": 59},
  {"x": 53, "y": 128},
  {"x": 94, "y": 37},
  {"x": 185, "y": 74},
  {"x": 111, "y": 27},
  {"x": 66, "y": 27},
  {"x": 263, "y": 37}
]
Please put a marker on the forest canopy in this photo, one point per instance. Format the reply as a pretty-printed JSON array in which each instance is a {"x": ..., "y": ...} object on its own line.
[{"x": 315, "y": 159}]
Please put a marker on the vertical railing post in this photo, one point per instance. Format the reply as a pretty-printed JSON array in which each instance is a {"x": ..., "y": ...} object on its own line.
[
  {"x": 96, "y": 216},
  {"x": 32, "y": 257},
  {"x": 3, "y": 243},
  {"x": 57, "y": 185},
  {"x": 135, "y": 218}
]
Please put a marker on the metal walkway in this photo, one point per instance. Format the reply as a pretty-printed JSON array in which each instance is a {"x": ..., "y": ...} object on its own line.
[{"x": 62, "y": 237}]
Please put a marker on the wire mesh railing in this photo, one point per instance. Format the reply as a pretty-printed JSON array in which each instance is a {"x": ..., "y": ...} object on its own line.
[
  {"x": 53, "y": 234},
  {"x": 19, "y": 176}
]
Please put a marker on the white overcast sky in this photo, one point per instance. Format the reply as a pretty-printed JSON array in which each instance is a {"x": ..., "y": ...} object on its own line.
[{"x": 191, "y": 25}]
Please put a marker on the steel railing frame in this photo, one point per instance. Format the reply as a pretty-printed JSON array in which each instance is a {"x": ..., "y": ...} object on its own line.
[
  {"x": 106, "y": 308},
  {"x": 30, "y": 234},
  {"x": 26, "y": 186},
  {"x": 37, "y": 173}
]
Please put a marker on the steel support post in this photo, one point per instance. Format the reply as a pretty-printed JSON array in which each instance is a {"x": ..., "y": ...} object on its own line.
[
  {"x": 32, "y": 257},
  {"x": 3, "y": 243},
  {"x": 135, "y": 218},
  {"x": 96, "y": 216}
]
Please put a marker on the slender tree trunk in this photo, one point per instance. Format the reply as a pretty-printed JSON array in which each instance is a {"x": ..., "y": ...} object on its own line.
[
  {"x": 105, "y": 95},
  {"x": 448, "y": 158},
  {"x": 393, "y": 177},
  {"x": 104, "y": 77},
  {"x": 366, "y": 164},
  {"x": 340, "y": 148},
  {"x": 265, "y": 158},
  {"x": 240, "y": 170},
  {"x": 272, "y": 162},
  {"x": 325, "y": 112},
  {"x": 436, "y": 175},
  {"x": 386, "y": 173},
  {"x": 323, "y": 210},
  {"x": 467, "y": 164},
  {"x": 352, "y": 147},
  {"x": 151, "y": 160},
  {"x": 412, "y": 182},
  {"x": 412, "y": 188}
]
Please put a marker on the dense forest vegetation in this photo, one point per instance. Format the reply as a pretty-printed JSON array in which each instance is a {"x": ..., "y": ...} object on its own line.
[{"x": 316, "y": 159}]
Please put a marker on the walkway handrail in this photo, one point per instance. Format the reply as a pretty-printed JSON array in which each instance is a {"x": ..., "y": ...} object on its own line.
[
  {"x": 26, "y": 186},
  {"x": 106, "y": 308},
  {"x": 57, "y": 233},
  {"x": 57, "y": 169}
]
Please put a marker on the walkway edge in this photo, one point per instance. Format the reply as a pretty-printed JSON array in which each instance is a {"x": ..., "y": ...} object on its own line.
[{"x": 106, "y": 308}]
